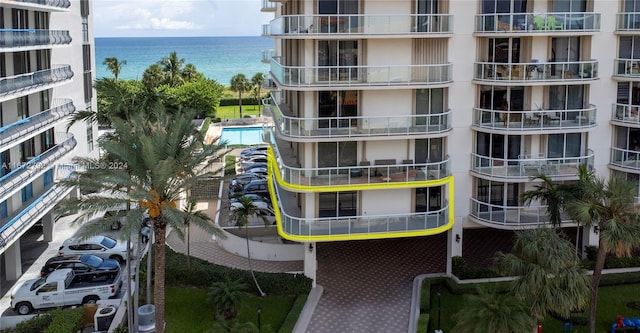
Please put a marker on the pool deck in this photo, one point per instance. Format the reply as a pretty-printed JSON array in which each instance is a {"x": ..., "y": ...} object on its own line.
[{"x": 215, "y": 129}]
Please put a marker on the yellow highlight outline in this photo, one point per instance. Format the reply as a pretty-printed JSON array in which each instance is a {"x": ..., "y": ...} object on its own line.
[{"x": 272, "y": 169}]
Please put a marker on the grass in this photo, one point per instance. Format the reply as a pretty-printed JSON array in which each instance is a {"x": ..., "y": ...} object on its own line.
[
  {"x": 233, "y": 111},
  {"x": 187, "y": 310},
  {"x": 612, "y": 301}
]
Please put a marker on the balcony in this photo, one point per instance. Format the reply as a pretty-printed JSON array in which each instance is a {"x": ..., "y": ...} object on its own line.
[
  {"x": 266, "y": 31},
  {"x": 625, "y": 159},
  {"x": 540, "y": 24},
  {"x": 312, "y": 129},
  {"x": 36, "y": 166},
  {"x": 510, "y": 217},
  {"x": 26, "y": 39},
  {"x": 539, "y": 120},
  {"x": 372, "y": 77},
  {"x": 29, "y": 127},
  {"x": 626, "y": 69},
  {"x": 267, "y": 55},
  {"x": 35, "y": 81},
  {"x": 527, "y": 166},
  {"x": 34, "y": 211},
  {"x": 628, "y": 23},
  {"x": 268, "y": 6},
  {"x": 41, "y": 4},
  {"x": 371, "y": 26},
  {"x": 536, "y": 73},
  {"x": 625, "y": 115}
]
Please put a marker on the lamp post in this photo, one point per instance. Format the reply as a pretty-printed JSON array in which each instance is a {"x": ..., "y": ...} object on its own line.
[{"x": 259, "y": 315}]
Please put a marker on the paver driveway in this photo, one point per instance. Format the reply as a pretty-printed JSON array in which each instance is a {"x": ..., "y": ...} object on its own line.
[{"x": 367, "y": 284}]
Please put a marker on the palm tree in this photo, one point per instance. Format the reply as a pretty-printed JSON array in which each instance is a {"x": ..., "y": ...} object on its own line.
[
  {"x": 491, "y": 312},
  {"x": 190, "y": 73},
  {"x": 172, "y": 67},
  {"x": 240, "y": 216},
  {"x": 114, "y": 65},
  {"x": 191, "y": 212},
  {"x": 153, "y": 76},
  {"x": 240, "y": 84},
  {"x": 227, "y": 296},
  {"x": 610, "y": 206},
  {"x": 256, "y": 82},
  {"x": 160, "y": 157},
  {"x": 549, "y": 193},
  {"x": 550, "y": 278}
]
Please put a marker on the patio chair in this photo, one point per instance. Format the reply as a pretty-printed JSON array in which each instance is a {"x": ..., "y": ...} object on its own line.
[
  {"x": 538, "y": 23},
  {"x": 553, "y": 25}
]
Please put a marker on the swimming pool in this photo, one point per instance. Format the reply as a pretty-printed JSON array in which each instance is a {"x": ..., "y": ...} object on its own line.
[{"x": 241, "y": 135}]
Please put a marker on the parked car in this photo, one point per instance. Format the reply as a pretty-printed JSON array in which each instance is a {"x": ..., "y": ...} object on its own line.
[
  {"x": 254, "y": 197},
  {"x": 249, "y": 167},
  {"x": 253, "y": 154},
  {"x": 259, "y": 171},
  {"x": 245, "y": 178},
  {"x": 260, "y": 204},
  {"x": 80, "y": 263},
  {"x": 252, "y": 160},
  {"x": 102, "y": 246},
  {"x": 249, "y": 151},
  {"x": 253, "y": 187}
]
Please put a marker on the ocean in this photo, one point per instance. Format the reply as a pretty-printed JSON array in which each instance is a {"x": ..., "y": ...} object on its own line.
[{"x": 218, "y": 58}]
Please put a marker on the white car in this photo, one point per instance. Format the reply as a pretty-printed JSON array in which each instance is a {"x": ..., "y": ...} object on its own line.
[{"x": 102, "y": 246}]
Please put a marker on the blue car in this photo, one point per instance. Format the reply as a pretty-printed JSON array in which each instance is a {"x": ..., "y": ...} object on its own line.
[{"x": 80, "y": 263}]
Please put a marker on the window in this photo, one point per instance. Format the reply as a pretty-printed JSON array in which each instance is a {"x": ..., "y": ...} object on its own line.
[
  {"x": 428, "y": 199},
  {"x": 3, "y": 67},
  {"x": 20, "y": 18},
  {"x": 429, "y": 150},
  {"x": 45, "y": 103},
  {"x": 337, "y": 204},
  {"x": 43, "y": 59},
  {"x": 21, "y": 62},
  {"x": 5, "y": 167},
  {"x": 336, "y": 105},
  {"x": 27, "y": 192},
  {"x": 23, "y": 107},
  {"x": 41, "y": 20},
  {"x": 340, "y": 54},
  {"x": 567, "y": 98},
  {"x": 1, "y": 17},
  {"x": 496, "y": 193},
  {"x": 47, "y": 140},
  {"x": 47, "y": 177},
  {"x": 429, "y": 101},
  {"x": 88, "y": 87},
  {"x": 504, "y": 50},
  {"x": 337, "y": 154},
  {"x": 27, "y": 150},
  {"x": 89, "y": 138},
  {"x": 84, "y": 7},
  {"x": 564, "y": 145},
  {"x": 86, "y": 57},
  {"x": 564, "y": 6},
  {"x": 85, "y": 29},
  {"x": 499, "y": 147},
  {"x": 49, "y": 287},
  {"x": 340, "y": 7},
  {"x": 4, "y": 211}
]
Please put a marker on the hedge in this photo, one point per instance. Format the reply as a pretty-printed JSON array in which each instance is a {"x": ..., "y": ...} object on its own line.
[
  {"x": 234, "y": 101},
  {"x": 464, "y": 271},
  {"x": 425, "y": 296},
  {"x": 423, "y": 322},
  {"x": 294, "y": 314},
  {"x": 55, "y": 321}
]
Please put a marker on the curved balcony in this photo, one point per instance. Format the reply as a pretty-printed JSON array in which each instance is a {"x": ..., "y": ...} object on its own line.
[
  {"x": 268, "y": 6},
  {"x": 372, "y": 77},
  {"x": 34, "y": 211},
  {"x": 34, "y": 81},
  {"x": 625, "y": 159},
  {"x": 536, "y": 73},
  {"x": 510, "y": 217},
  {"x": 29, "y": 127},
  {"x": 371, "y": 26},
  {"x": 28, "y": 171},
  {"x": 626, "y": 69},
  {"x": 628, "y": 23},
  {"x": 312, "y": 129},
  {"x": 40, "y": 4},
  {"x": 31, "y": 39},
  {"x": 526, "y": 166},
  {"x": 267, "y": 55},
  {"x": 540, "y": 120},
  {"x": 625, "y": 115},
  {"x": 537, "y": 24}
]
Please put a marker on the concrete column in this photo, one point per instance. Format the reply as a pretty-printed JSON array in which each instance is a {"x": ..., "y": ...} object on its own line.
[
  {"x": 13, "y": 261},
  {"x": 48, "y": 226},
  {"x": 590, "y": 238},
  {"x": 310, "y": 262}
]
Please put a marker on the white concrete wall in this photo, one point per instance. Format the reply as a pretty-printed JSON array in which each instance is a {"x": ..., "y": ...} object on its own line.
[{"x": 261, "y": 251}]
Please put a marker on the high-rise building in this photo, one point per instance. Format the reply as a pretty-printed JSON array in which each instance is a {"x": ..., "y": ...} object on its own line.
[
  {"x": 46, "y": 74},
  {"x": 382, "y": 107}
]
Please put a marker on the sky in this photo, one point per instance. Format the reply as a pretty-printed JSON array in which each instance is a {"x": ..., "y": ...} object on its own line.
[{"x": 173, "y": 18}]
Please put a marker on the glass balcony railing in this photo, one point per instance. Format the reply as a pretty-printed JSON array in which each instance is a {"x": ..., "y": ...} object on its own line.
[
  {"x": 266, "y": 31},
  {"x": 527, "y": 166},
  {"x": 35, "y": 210},
  {"x": 539, "y": 120},
  {"x": 361, "y": 76},
  {"x": 267, "y": 55},
  {"x": 626, "y": 113},
  {"x": 29, "y": 127},
  {"x": 537, "y": 72},
  {"x": 268, "y": 6},
  {"x": 628, "y": 21},
  {"x": 625, "y": 158},
  {"x": 357, "y": 126},
  {"x": 35, "y": 80},
  {"x": 10, "y": 38},
  {"x": 47, "y": 3},
  {"x": 511, "y": 216},
  {"x": 416, "y": 24},
  {"x": 537, "y": 23},
  {"x": 629, "y": 68},
  {"x": 28, "y": 171}
]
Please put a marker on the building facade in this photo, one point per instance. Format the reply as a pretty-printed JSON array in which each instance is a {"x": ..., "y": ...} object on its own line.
[{"x": 46, "y": 74}]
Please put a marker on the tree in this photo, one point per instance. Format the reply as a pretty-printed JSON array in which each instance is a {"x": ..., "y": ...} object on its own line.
[
  {"x": 114, "y": 65},
  {"x": 227, "y": 296},
  {"x": 240, "y": 216},
  {"x": 157, "y": 159},
  {"x": 202, "y": 95},
  {"x": 550, "y": 278},
  {"x": 551, "y": 194},
  {"x": 192, "y": 212},
  {"x": 609, "y": 205},
  {"x": 172, "y": 67},
  {"x": 240, "y": 84},
  {"x": 153, "y": 76},
  {"x": 190, "y": 74},
  {"x": 491, "y": 312},
  {"x": 256, "y": 82}
]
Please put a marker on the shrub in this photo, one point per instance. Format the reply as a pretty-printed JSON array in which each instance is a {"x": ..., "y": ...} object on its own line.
[
  {"x": 425, "y": 296},
  {"x": 234, "y": 101},
  {"x": 65, "y": 320},
  {"x": 36, "y": 324},
  {"x": 229, "y": 165},
  {"x": 217, "y": 119},
  {"x": 423, "y": 322},
  {"x": 464, "y": 271},
  {"x": 294, "y": 313}
]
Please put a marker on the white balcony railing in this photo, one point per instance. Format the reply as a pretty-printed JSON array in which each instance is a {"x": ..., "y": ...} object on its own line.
[
  {"x": 537, "y": 23},
  {"x": 527, "y": 166},
  {"x": 538, "y": 120},
  {"x": 511, "y": 216},
  {"x": 12, "y": 38},
  {"x": 628, "y": 68},
  {"x": 63, "y": 4},
  {"x": 268, "y": 6},
  {"x": 267, "y": 55},
  {"x": 625, "y": 158},
  {"x": 361, "y": 76},
  {"x": 626, "y": 113},
  {"x": 628, "y": 21},
  {"x": 537, "y": 72},
  {"x": 34, "y": 80}
]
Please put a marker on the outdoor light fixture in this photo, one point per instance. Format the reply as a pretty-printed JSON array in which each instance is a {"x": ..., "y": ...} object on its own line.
[
  {"x": 310, "y": 247},
  {"x": 596, "y": 229},
  {"x": 458, "y": 238},
  {"x": 259, "y": 309}
]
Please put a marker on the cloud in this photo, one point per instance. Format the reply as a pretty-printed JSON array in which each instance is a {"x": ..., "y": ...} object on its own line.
[{"x": 178, "y": 18}]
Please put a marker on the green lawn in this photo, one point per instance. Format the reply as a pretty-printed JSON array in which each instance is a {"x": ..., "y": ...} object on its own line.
[
  {"x": 233, "y": 111},
  {"x": 187, "y": 310},
  {"x": 612, "y": 301}
]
